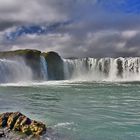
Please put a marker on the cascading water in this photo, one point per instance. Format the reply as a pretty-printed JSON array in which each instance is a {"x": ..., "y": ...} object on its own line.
[
  {"x": 14, "y": 71},
  {"x": 110, "y": 69},
  {"x": 44, "y": 69},
  {"x": 90, "y": 69}
]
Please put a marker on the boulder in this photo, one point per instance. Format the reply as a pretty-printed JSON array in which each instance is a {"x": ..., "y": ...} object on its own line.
[{"x": 18, "y": 122}]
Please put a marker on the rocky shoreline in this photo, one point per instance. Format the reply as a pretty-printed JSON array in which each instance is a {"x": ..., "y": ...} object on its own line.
[{"x": 16, "y": 126}]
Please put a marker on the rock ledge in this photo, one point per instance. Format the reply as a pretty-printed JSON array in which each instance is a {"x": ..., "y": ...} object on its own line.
[{"x": 17, "y": 122}]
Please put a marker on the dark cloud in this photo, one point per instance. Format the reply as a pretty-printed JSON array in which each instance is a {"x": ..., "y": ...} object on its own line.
[
  {"x": 96, "y": 28},
  {"x": 5, "y": 25}
]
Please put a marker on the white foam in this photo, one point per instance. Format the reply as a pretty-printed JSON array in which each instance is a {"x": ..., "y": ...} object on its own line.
[
  {"x": 14, "y": 71},
  {"x": 65, "y": 124},
  {"x": 104, "y": 69}
]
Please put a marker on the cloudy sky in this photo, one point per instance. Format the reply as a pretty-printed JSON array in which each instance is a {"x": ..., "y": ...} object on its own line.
[{"x": 73, "y": 28}]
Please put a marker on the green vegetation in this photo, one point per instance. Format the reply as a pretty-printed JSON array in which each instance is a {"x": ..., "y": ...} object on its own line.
[{"x": 27, "y": 53}]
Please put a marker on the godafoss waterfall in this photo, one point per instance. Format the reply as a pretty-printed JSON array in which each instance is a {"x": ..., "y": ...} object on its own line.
[
  {"x": 14, "y": 71},
  {"x": 79, "y": 99},
  {"x": 103, "y": 69}
]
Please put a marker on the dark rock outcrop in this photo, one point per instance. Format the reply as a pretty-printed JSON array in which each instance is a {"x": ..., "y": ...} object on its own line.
[
  {"x": 55, "y": 66},
  {"x": 17, "y": 122},
  {"x": 31, "y": 57},
  {"x": 120, "y": 68}
]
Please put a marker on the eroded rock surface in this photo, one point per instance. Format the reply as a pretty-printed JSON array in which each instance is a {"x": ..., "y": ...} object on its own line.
[{"x": 17, "y": 122}]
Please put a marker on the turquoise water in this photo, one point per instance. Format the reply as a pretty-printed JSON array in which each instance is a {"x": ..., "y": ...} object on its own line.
[{"x": 79, "y": 110}]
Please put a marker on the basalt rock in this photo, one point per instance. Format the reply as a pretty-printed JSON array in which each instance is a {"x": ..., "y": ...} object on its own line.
[
  {"x": 31, "y": 57},
  {"x": 55, "y": 66},
  {"x": 15, "y": 121},
  {"x": 120, "y": 67}
]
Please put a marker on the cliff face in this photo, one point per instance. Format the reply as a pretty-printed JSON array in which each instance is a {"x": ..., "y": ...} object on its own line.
[
  {"x": 32, "y": 59},
  {"x": 55, "y": 66}
]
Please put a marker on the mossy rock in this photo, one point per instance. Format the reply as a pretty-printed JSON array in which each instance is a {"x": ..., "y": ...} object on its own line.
[
  {"x": 55, "y": 66},
  {"x": 12, "y": 119},
  {"x": 27, "y": 53},
  {"x": 21, "y": 121},
  {"x": 26, "y": 130},
  {"x": 15, "y": 121}
]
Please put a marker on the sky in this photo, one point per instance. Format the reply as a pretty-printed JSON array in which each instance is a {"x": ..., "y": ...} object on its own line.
[{"x": 73, "y": 28}]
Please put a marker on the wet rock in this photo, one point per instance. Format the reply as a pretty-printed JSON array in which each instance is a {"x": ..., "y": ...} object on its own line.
[
  {"x": 12, "y": 119},
  {"x": 18, "y": 122},
  {"x": 55, "y": 66},
  {"x": 120, "y": 68},
  {"x": 2, "y": 134},
  {"x": 37, "y": 128},
  {"x": 3, "y": 119},
  {"x": 30, "y": 56}
]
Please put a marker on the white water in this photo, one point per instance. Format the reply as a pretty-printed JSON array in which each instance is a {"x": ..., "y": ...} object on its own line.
[
  {"x": 44, "y": 69},
  {"x": 86, "y": 69},
  {"x": 104, "y": 69},
  {"x": 14, "y": 71}
]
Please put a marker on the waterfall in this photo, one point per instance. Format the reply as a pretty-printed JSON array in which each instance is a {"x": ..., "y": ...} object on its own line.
[
  {"x": 111, "y": 69},
  {"x": 14, "y": 71},
  {"x": 44, "y": 69},
  {"x": 89, "y": 69}
]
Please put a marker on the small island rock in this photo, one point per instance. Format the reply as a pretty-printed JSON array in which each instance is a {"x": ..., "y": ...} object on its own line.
[{"x": 18, "y": 122}]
